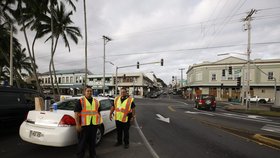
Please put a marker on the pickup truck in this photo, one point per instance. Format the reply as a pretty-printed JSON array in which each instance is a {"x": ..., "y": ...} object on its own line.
[{"x": 259, "y": 99}]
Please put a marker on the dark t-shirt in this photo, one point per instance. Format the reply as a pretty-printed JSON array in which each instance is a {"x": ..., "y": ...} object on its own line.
[{"x": 78, "y": 106}]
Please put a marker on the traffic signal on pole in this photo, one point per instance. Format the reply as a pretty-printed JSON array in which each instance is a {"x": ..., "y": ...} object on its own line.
[
  {"x": 161, "y": 62},
  {"x": 238, "y": 81},
  {"x": 138, "y": 64},
  {"x": 172, "y": 78},
  {"x": 230, "y": 70}
]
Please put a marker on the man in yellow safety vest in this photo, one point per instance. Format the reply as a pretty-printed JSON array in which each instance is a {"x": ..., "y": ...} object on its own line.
[
  {"x": 87, "y": 115},
  {"x": 124, "y": 108}
]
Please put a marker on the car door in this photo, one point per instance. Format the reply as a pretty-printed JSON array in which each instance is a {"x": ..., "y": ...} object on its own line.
[{"x": 105, "y": 106}]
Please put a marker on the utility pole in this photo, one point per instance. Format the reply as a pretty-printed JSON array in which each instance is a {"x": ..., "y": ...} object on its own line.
[
  {"x": 85, "y": 21},
  {"x": 116, "y": 82},
  {"x": 106, "y": 40},
  {"x": 248, "y": 23},
  {"x": 11, "y": 57},
  {"x": 181, "y": 83}
]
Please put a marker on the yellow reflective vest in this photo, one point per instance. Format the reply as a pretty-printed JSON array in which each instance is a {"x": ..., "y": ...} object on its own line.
[
  {"x": 89, "y": 112},
  {"x": 122, "y": 108}
]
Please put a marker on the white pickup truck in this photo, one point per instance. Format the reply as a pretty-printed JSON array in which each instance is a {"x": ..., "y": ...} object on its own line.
[{"x": 259, "y": 99}]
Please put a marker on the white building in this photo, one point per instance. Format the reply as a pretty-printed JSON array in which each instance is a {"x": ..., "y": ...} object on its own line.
[{"x": 216, "y": 79}]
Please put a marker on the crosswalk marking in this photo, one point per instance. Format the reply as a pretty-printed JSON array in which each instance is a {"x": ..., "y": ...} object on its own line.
[{"x": 271, "y": 128}]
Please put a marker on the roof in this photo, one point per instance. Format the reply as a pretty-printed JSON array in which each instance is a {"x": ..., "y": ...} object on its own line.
[
  {"x": 69, "y": 71},
  {"x": 233, "y": 60}
]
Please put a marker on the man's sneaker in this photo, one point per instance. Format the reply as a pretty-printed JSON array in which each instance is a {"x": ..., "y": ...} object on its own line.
[
  {"x": 126, "y": 146},
  {"x": 118, "y": 144}
]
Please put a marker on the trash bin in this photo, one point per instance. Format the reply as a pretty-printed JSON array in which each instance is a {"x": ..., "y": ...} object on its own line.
[{"x": 47, "y": 103}]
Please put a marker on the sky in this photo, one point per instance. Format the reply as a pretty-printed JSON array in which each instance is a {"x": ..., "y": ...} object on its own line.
[{"x": 182, "y": 32}]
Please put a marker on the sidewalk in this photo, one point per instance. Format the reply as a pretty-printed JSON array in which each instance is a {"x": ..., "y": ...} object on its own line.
[{"x": 253, "y": 109}]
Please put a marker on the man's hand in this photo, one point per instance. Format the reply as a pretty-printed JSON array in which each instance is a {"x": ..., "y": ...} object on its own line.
[
  {"x": 78, "y": 128},
  {"x": 132, "y": 119},
  {"x": 111, "y": 117}
]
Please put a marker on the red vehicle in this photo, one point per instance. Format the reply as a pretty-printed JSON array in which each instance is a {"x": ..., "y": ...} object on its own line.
[{"x": 205, "y": 101}]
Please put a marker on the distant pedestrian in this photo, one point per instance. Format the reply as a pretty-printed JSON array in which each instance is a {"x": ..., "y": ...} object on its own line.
[
  {"x": 124, "y": 108},
  {"x": 87, "y": 115}
]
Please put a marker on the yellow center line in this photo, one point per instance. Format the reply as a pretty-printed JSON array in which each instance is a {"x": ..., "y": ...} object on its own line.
[{"x": 171, "y": 109}]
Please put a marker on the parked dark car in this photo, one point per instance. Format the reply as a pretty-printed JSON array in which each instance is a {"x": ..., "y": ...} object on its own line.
[
  {"x": 15, "y": 104},
  {"x": 205, "y": 101}
]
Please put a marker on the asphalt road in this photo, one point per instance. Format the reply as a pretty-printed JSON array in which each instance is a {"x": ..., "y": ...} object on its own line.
[{"x": 189, "y": 133}]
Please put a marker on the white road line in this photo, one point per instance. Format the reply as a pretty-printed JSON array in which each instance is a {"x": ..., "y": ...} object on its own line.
[
  {"x": 147, "y": 144},
  {"x": 271, "y": 128},
  {"x": 237, "y": 116}
]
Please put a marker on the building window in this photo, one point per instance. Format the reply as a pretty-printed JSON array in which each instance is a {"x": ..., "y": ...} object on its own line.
[
  {"x": 270, "y": 75},
  {"x": 71, "y": 79},
  {"x": 214, "y": 77},
  {"x": 49, "y": 80},
  {"x": 67, "y": 79},
  {"x": 59, "y": 79},
  {"x": 263, "y": 91}
]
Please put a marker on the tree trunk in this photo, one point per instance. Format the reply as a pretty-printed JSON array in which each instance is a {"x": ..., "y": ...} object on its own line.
[
  {"x": 33, "y": 52},
  {"x": 51, "y": 9},
  {"x": 55, "y": 78},
  {"x": 32, "y": 61},
  {"x": 19, "y": 79}
]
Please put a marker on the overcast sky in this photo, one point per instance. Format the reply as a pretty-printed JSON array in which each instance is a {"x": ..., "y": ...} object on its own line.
[{"x": 182, "y": 32}]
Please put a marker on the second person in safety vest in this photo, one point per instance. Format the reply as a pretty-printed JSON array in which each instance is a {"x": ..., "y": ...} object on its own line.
[{"x": 124, "y": 108}]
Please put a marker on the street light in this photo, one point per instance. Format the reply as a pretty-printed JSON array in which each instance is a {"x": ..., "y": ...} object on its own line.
[
  {"x": 106, "y": 40},
  {"x": 181, "y": 83}
]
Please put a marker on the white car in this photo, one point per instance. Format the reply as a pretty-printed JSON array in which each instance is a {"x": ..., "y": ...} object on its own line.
[{"x": 57, "y": 128}]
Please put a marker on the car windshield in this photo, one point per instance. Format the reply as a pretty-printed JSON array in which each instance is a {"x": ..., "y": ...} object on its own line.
[
  {"x": 67, "y": 104},
  {"x": 207, "y": 97}
]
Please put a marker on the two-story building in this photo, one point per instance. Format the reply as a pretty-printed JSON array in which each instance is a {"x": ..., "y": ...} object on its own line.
[{"x": 220, "y": 78}]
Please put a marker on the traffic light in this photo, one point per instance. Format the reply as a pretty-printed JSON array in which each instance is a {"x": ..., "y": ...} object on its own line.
[
  {"x": 138, "y": 64},
  {"x": 238, "y": 81},
  {"x": 223, "y": 72},
  {"x": 172, "y": 78},
  {"x": 230, "y": 70},
  {"x": 161, "y": 62},
  {"x": 222, "y": 86}
]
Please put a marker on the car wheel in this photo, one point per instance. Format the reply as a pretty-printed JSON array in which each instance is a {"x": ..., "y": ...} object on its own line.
[
  {"x": 262, "y": 101},
  {"x": 212, "y": 108},
  {"x": 99, "y": 135}
]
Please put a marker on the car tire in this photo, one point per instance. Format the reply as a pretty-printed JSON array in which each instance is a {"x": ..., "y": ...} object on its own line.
[
  {"x": 262, "y": 101},
  {"x": 213, "y": 108},
  {"x": 99, "y": 135}
]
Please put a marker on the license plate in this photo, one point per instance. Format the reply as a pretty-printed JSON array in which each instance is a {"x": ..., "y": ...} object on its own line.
[{"x": 35, "y": 134}]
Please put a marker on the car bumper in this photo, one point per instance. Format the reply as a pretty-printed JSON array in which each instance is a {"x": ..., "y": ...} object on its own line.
[{"x": 48, "y": 136}]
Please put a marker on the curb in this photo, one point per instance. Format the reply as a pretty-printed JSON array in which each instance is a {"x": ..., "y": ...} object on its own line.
[{"x": 267, "y": 140}]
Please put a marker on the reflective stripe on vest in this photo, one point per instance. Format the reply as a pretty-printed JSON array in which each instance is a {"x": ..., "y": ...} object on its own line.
[
  {"x": 89, "y": 112},
  {"x": 122, "y": 108}
]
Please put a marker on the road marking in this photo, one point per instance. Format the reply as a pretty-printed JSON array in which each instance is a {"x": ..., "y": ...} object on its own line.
[
  {"x": 161, "y": 118},
  {"x": 271, "y": 128},
  {"x": 147, "y": 144},
  {"x": 191, "y": 112},
  {"x": 204, "y": 113},
  {"x": 171, "y": 109}
]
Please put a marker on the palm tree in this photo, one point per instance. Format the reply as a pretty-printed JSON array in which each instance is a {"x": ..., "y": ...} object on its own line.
[
  {"x": 61, "y": 22},
  {"x": 4, "y": 52}
]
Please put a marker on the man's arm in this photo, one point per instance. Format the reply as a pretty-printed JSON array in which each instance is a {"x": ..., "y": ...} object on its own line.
[
  {"x": 77, "y": 110},
  {"x": 111, "y": 112},
  {"x": 78, "y": 120}
]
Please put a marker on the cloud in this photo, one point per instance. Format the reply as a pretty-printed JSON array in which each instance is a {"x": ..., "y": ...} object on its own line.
[{"x": 157, "y": 28}]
